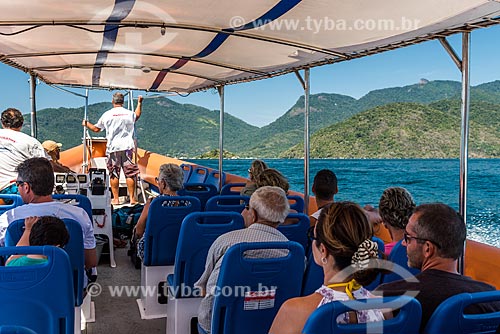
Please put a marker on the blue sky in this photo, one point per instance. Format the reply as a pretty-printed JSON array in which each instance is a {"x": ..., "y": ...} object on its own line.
[{"x": 263, "y": 101}]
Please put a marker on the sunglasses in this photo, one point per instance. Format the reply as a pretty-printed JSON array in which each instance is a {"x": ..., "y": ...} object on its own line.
[
  {"x": 19, "y": 183},
  {"x": 310, "y": 233},
  {"x": 408, "y": 238}
]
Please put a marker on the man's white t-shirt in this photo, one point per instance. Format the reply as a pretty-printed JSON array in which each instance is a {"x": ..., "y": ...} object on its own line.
[
  {"x": 56, "y": 209},
  {"x": 119, "y": 125},
  {"x": 16, "y": 147}
]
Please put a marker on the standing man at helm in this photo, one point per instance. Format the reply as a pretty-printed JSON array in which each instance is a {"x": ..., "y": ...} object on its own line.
[{"x": 119, "y": 125}]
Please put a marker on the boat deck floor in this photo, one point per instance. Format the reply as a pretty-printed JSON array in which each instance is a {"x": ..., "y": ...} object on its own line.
[{"x": 120, "y": 314}]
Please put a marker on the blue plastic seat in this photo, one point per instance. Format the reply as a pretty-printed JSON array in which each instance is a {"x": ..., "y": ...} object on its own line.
[
  {"x": 234, "y": 203},
  {"x": 313, "y": 276},
  {"x": 195, "y": 238},
  {"x": 38, "y": 297},
  {"x": 232, "y": 188},
  {"x": 324, "y": 319},
  {"x": 296, "y": 203},
  {"x": 199, "y": 230},
  {"x": 80, "y": 200},
  {"x": 198, "y": 175},
  {"x": 449, "y": 317},
  {"x": 74, "y": 248},
  {"x": 187, "y": 169},
  {"x": 202, "y": 191},
  {"x": 298, "y": 230},
  {"x": 16, "y": 201},
  {"x": 252, "y": 311},
  {"x": 398, "y": 256},
  {"x": 162, "y": 229},
  {"x": 15, "y": 330},
  {"x": 215, "y": 177}
]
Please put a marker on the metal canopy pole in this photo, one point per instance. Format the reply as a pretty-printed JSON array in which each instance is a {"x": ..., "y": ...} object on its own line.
[
  {"x": 34, "y": 128},
  {"x": 464, "y": 67},
  {"x": 464, "y": 134},
  {"x": 85, "y": 164},
  {"x": 220, "y": 89},
  {"x": 305, "y": 82}
]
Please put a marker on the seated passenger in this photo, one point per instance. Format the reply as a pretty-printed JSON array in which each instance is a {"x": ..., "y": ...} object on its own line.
[
  {"x": 15, "y": 147},
  {"x": 53, "y": 149},
  {"x": 35, "y": 182},
  {"x": 273, "y": 178},
  {"x": 342, "y": 243},
  {"x": 396, "y": 205},
  {"x": 324, "y": 188},
  {"x": 170, "y": 180},
  {"x": 434, "y": 240},
  {"x": 257, "y": 167},
  {"x": 41, "y": 231},
  {"x": 268, "y": 208}
]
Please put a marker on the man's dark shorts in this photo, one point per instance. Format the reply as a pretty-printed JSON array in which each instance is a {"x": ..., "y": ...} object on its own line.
[{"x": 122, "y": 159}]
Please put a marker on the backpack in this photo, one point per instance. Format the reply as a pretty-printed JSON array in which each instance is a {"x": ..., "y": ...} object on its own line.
[{"x": 125, "y": 218}]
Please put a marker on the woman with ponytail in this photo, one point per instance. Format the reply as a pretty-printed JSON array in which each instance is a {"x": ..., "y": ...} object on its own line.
[{"x": 342, "y": 246}]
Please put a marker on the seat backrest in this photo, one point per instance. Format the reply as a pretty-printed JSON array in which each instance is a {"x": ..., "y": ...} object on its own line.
[
  {"x": 15, "y": 330},
  {"x": 214, "y": 178},
  {"x": 198, "y": 175},
  {"x": 398, "y": 256},
  {"x": 163, "y": 226},
  {"x": 234, "y": 203},
  {"x": 202, "y": 191},
  {"x": 324, "y": 319},
  {"x": 296, "y": 203},
  {"x": 198, "y": 231},
  {"x": 313, "y": 276},
  {"x": 38, "y": 297},
  {"x": 267, "y": 283},
  {"x": 449, "y": 317},
  {"x": 232, "y": 188},
  {"x": 79, "y": 200},
  {"x": 298, "y": 230},
  {"x": 187, "y": 169},
  {"x": 74, "y": 249},
  {"x": 13, "y": 200}
]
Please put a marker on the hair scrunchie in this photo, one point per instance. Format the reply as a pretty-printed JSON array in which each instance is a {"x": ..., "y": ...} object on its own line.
[{"x": 366, "y": 250}]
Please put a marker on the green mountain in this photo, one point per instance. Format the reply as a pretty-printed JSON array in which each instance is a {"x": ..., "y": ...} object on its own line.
[
  {"x": 400, "y": 130},
  {"x": 186, "y": 130},
  {"x": 423, "y": 92},
  {"x": 165, "y": 127},
  {"x": 63, "y": 125},
  {"x": 481, "y": 112},
  {"x": 287, "y": 130}
]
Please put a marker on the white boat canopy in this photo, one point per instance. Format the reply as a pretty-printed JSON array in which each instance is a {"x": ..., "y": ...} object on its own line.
[{"x": 186, "y": 46}]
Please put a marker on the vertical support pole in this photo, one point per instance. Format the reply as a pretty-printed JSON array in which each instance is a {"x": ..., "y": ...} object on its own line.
[
  {"x": 34, "y": 130},
  {"x": 220, "y": 89},
  {"x": 307, "y": 91},
  {"x": 85, "y": 164},
  {"x": 464, "y": 133},
  {"x": 131, "y": 100}
]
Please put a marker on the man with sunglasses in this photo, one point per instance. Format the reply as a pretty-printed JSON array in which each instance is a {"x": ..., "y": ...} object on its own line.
[
  {"x": 434, "y": 240},
  {"x": 35, "y": 181}
]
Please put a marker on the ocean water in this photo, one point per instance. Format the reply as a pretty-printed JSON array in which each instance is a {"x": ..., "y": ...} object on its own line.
[{"x": 428, "y": 180}]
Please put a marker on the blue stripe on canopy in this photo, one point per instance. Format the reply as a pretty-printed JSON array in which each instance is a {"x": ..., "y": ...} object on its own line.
[
  {"x": 120, "y": 11},
  {"x": 274, "y": 13}
]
